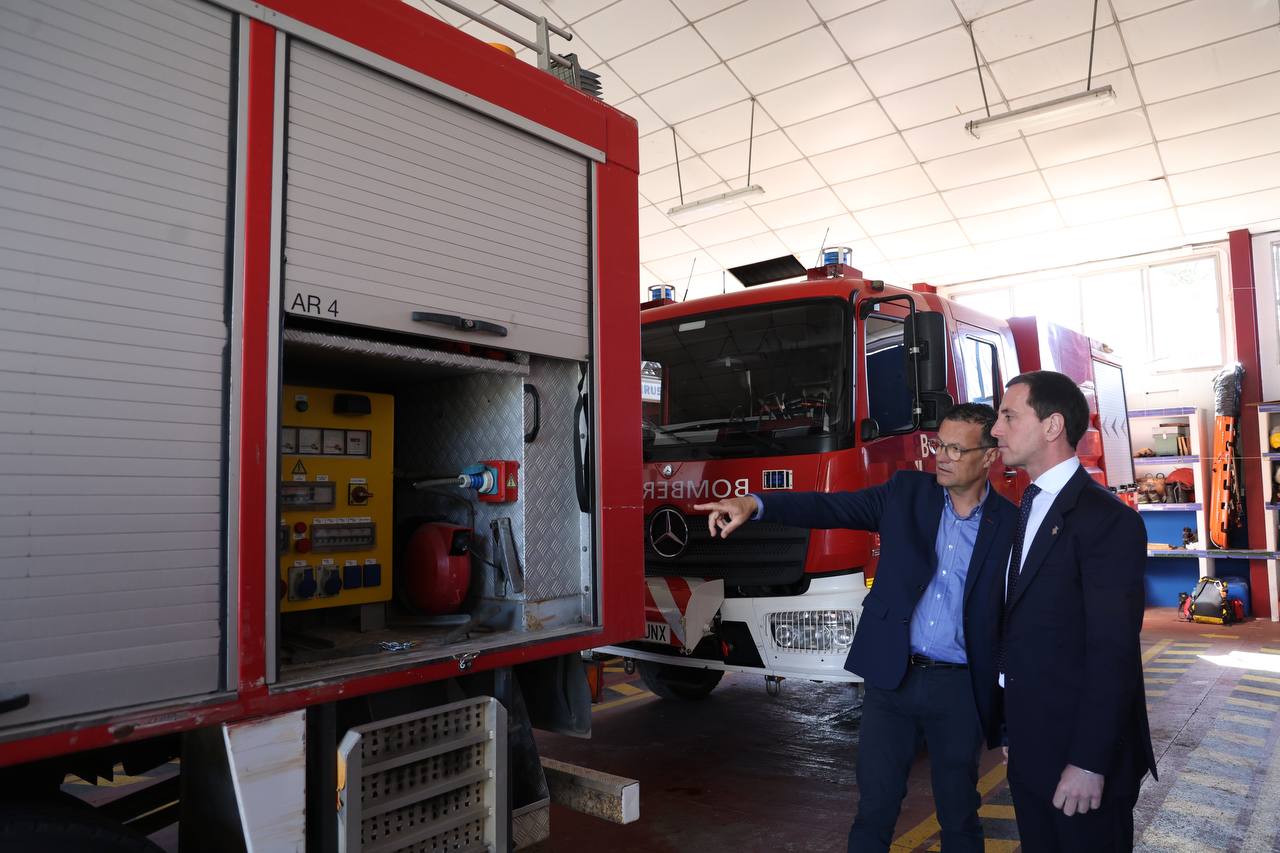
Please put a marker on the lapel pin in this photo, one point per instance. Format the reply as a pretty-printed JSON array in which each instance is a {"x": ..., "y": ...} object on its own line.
[{"x": 1053, "y": 532}]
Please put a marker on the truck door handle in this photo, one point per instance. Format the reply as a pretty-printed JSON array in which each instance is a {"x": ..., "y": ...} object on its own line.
[
  {"x": 462, "y": 324},
  {"x": 15, "y": 702}
]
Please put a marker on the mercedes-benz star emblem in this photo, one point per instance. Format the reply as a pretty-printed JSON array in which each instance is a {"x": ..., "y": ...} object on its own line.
[
  {"x": 668, "y": 532},
  {"x": 667, "y": 470}
]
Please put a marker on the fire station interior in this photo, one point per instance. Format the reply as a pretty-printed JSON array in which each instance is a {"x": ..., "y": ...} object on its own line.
[{"x": 850, "y": 215}]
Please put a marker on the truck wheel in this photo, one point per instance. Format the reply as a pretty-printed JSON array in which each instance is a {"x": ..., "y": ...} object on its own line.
[
  {"x": 44, "y": 827},
  {"x": 678, "y": 682}
]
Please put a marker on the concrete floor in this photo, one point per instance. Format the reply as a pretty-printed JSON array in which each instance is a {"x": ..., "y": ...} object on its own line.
[{"x": 744, "y": 772}]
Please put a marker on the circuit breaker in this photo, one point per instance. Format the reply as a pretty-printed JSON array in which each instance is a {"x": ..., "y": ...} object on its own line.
[{"x": 336, "y": 457}]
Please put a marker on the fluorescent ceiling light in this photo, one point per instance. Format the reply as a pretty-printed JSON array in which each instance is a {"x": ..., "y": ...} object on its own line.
[
  {"x": 1040, "y": 115},
  {"x": 724, "y": 200}
]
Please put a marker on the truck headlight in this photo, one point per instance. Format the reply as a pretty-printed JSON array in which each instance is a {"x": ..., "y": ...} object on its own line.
[{"x": 812, "y": 630}]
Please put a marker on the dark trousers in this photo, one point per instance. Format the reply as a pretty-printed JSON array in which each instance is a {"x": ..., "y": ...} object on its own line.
[
  {"x": 1044, "y": 829},
  {"x": 938, "y": 704}
]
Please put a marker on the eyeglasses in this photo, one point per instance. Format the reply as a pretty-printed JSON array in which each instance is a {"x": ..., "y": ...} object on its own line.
[{"x": 954, "y": 451}]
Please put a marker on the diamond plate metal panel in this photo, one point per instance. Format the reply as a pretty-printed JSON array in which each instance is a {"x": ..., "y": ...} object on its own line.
[{"x": 553, "y": 529}]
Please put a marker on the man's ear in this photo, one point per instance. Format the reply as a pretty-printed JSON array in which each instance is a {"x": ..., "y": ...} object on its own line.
[{"x": 1055, "y": 424}]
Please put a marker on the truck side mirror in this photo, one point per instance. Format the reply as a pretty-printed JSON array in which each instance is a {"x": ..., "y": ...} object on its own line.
[
  {"x": 929, "y": 337},
  {"x": 869, "y": 429}
]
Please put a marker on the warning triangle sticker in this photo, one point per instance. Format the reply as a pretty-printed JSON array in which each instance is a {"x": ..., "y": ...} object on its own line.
[
  {"x": 511, "y": 481},
  {"x": 299, "y": 470}
]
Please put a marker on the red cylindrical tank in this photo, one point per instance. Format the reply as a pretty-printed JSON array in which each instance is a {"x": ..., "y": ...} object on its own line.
[{"x": 437, "y": 567}]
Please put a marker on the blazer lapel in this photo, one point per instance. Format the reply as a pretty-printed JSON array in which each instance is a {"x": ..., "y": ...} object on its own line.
[
  {"x": 987, "y": 531},
  {"x": 1048, "y": 533}
]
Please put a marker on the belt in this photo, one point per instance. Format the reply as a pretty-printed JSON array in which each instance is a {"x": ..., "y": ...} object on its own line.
[{"x": 926, "y": 662}]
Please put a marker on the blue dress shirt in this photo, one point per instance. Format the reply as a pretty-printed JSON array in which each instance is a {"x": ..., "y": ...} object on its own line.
[{"x": 937, "y": 624}]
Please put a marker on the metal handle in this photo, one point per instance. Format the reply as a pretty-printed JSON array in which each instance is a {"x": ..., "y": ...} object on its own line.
[
  {"x": 532, "y": 434},
  {"x": 462, "y": 324},
  {"x": 16, "y": 702}
]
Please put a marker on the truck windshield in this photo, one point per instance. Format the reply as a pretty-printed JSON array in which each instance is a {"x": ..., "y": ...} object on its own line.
[{"x": 758, "y": 381}]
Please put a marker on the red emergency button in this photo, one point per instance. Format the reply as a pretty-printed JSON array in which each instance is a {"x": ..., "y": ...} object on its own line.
[
  {"x": 303, "y": 546},
  {"x": 300, "y": 527}
]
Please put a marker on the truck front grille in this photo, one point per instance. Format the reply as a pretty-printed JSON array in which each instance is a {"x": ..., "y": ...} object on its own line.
[{"x": 754, "y": 554}]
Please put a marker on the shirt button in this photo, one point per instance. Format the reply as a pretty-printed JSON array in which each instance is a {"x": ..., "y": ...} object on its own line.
[
  {"x": 930, "y": 621},
  {"x": 938, "y": 595},
  {"x": 944, "y": 571}
]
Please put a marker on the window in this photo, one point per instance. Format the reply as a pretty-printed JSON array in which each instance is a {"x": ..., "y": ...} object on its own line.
[
  {"x": 889, "y": 398},
  {"x": 1114, "y": 313},
  {"x": 1186, "y": 330},
  {"x": 981, "y": 371},
  {"x": 1055, "y": 300}
]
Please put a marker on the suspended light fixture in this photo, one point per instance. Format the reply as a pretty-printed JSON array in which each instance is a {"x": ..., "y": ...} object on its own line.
[{"x": 731, "y": 198}]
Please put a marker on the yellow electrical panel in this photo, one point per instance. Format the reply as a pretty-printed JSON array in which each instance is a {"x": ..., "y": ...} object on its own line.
[{"x": 336, "y": 457}]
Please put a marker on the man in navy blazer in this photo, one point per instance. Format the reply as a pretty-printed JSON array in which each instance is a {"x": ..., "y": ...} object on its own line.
[
  {"x": 1069, "y": 656},
  {"x": 925, "y": 645}
]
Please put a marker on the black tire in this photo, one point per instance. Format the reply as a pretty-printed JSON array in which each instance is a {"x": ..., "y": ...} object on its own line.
[
  {"x": 678, "y": 682},
  {"x": 47, "y": 827}
]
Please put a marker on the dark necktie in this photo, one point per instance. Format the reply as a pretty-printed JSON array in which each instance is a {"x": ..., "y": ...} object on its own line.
[{"x": 1015, "y": 560}]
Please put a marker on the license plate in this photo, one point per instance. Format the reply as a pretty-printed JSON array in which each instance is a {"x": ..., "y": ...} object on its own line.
[{"x": 656, "y": 632}]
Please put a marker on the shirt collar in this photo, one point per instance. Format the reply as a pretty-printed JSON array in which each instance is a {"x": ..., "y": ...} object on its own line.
[
  {"x": 1053, "y": 480},
  {"x": 977, "y": 510}
]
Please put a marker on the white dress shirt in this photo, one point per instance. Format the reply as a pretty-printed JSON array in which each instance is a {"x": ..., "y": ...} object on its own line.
[{"x": 1051, "y": 482}]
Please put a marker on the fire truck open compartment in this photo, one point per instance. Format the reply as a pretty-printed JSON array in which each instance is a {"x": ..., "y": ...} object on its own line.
[{"x": 531, "y": 566}]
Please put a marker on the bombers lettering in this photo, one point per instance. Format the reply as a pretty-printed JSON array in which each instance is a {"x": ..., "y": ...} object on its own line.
[{"x": 682, "y": 490}]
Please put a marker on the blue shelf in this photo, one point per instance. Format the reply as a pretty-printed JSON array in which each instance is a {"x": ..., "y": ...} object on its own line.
[
  {"x": 1165, "y": 460},
  {"x": 1271, "y": 456},
  {"x": 1227, "y": 554},
  {"x": 1169, "y": 507},
  {"x": 1266, "y": 408},
  {"x": 1163, "y": 413}
]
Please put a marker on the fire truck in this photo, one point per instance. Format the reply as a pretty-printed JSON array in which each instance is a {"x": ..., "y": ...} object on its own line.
[
  {"x": 317, "y": 472},
  {"x": 829, "y": 384}
]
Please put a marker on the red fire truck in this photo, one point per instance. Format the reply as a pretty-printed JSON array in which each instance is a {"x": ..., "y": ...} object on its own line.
[
  {"x": 831, "y": 384},
  {"x": 317, "y": 469}
]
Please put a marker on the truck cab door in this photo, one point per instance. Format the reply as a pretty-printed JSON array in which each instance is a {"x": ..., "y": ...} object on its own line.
[{"x": 884, "y": 403}]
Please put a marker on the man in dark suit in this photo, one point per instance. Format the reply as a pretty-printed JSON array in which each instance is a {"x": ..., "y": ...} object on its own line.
[
  {"x": 925, "y": 644},
  {"x": 1076, "y": 716}
]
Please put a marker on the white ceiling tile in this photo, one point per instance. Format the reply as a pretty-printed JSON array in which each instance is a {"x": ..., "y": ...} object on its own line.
[
  {"x": 798, "y": 209},
  {"x": 795, "y": 58},
  {"x": 1064, "y": 63},
  {"x": 1226, "y": 214},
  {"x": 944, "y": 137},
  {"x": 1034, "y": 24},
  {"x": 669, "y": 58},
  {"x": 1108, "y": 170},
  {"x": 782, "y": 181},
  {"x": 867, "y": 158},
  {"x": 663, "y": 183},
  {"x": 1090, "y": 138},
  {"x": 747, "y": 251},
  {"x": 1208, "y": 67},
  {"x": 613, "y": 90},
  {"x": 972, "y": 9},
  {"x": 930, "y": 58},
  {"x": 726, "y": 227},
  {"x": 1194, "y": 23},
  {"x": 1127, "y": 236},
  {"x": 1115, "y": 203},
  {"x": 658, "y": 149},
  {"x": 1002, "y": 194},
  {"x": 892, "y": 23},
  {"x": 664, "y": 244},
  {"x": 946, "y": 98},
  {"x": 1249, "y": 139},
  {"x": 768, "y": 150},
  {"x": 1012, "y": 223},
  {"x": 1132, "y": 8},
  {"x": 885, "y": 187},
  {"x": 829, "y": 10},
  {"x": 723, "y": 127},
  {"x": 700, "y": 93},
  {"x": 628, "y": 24},
  {"x": 755, "y": 23},
  {"x": 1218, "y": 107},
  {"x": 935, "y": 267},
  {"x": 840, "y": 230},
  {"x": 849, "y": 126},
  {"x": 652, "y": 221},
  {"x": 901, "y": 215},
  {"x": 698, "y": 9},
  {"x": 710, "y": 284},
  {"x": 647, "y": 279},
  {"x": 647, "y": 121},
  {"x": 919, "y": 241},
  {"x": 675, "y": 269},
  {"x": 576, "y": 10},
  {"x": 818, "y": 95},
  {"x": 985, "y": 164},
  {"x": 1226, "y": 180}
]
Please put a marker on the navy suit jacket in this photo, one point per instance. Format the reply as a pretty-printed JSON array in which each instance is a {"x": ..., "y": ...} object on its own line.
[
  {"x": 1073, "y": 668},
  {"x": 906, "y": 512}
]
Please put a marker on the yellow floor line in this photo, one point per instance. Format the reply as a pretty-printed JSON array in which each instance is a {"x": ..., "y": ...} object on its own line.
[
  {"x": 1193, "y": 807},
  {"x": 1236, "y": 737},
  {"x": 1233, "y": 759},
  {"x": 1267, "y": 651},
  {"x": 614, "y": 669},
  {"x": 1161, "y": 839},
  {"x": 1220, "y": 636},
  {"x": 1245, "y": 719},
  {"x": 929, "y": 827},
  {"x": 623, "y": 701},
  {"x": 1249, "y": 703},
  {"x": 1184, "y": 652},
  {"x": 1151, "y": 680},
  {"x": 997, "y": 811},
  {"x": 1261, "y": 691},
  {"x": 626, "y": 689},
  {"x": 1156, "y": 692},
  {"x": 1268, "y": 679},
  {"x": 1218, "y": 782},
  {"x": 1197, "y": 645},
  {"x": 1156, "y": 648}
]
